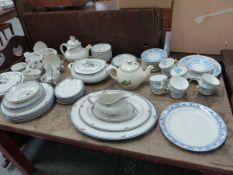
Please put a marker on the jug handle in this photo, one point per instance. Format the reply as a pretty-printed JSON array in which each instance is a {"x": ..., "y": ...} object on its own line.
[
  {"x": 90, "y": 99},
  {"x": 70, "y": 66},
  {"x": 61, "y": 48},
  {"x": 112, "y": 71}
]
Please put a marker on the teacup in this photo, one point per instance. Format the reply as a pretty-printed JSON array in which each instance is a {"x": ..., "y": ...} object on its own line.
[
  {"x": 110, "y": 104},
  {"x": 181, "y": 71},
  {"x": 178, "y": 86},
  {"x": 35, "y": 64},
  {"x": 208, "y": 84},
  {"x": 47, "y": 51},
  {"x": 31, "y": 56},
  {"x": 31, "y": 74},
  {"x": 166, "y": 65},
  {"x": 158, "y": 84}
]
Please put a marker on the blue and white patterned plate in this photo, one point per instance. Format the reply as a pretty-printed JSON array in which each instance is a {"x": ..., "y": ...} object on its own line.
[
  {"x": 193, "y": 127},
  {"x": 189, "y": 61},
  {"x": 154, "y": 55}
]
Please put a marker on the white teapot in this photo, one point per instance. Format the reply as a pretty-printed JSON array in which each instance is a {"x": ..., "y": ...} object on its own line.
[
  {"x": 130, "y": 74},
  {"x": 74, "y": 51}
]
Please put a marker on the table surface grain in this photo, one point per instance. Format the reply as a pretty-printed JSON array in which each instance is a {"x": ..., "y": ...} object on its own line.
[{"x": 56, "y": 125}]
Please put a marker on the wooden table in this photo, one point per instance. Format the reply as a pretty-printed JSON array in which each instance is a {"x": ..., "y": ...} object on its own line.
[
  {"x": 8, "y": 14},
  {"x": 55, "y": 125}
]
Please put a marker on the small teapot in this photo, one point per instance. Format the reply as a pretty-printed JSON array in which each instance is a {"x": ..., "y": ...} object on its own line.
[
  {"x": 74, "y": 51},
  {"x": 130, "y": 74}
]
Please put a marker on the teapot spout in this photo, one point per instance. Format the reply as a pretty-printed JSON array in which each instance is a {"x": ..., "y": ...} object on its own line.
[
  {"x": 87, "y": 49},
  {"x": 147, "y": 72}
]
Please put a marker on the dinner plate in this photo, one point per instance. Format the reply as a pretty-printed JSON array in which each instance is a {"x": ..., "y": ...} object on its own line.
[
  {"x": 106, "y": 135},
  {"x": 189, "y": 61},
  {"x": 193, "y": 127},
  {"x": 69, "y": 88},
  {"x": 22, "y": 92},
  {"x": 8, "y": 80},
  {"x": 142, "y": 107},
  {"x": 32, "y": 111}
]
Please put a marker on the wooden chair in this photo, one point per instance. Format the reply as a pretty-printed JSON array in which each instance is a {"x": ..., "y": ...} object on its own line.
[
  {"x": 3, "y": 27},
  {"x": 13, "y": 51}
]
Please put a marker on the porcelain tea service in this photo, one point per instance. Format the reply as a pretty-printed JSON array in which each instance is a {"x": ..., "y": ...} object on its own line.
[
  {"x": 19, "y": 67},
  {"x": 166, "y": 65},
  {"x": 208, "y": 84},
  {"x": 31, "y": 74},
  {"x": 177, "y": 87},
  {"x": 158, "y": 84},
  {"x": 74, "y": 50},
  {"x": 51, "y": 75},
  {"x": 111, "y": 104},
  {"x": 102, "y": 51},
  {"x": 130, "y": 75},
  {"x": 32, "y": 56}
]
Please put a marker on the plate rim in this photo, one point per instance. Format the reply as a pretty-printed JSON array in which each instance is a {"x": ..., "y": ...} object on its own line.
[{"x": 222, "y": 133}]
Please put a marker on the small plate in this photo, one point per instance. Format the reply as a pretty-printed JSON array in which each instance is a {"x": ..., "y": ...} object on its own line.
[
  {"x": 154, "y": 55},
  {"x": 193, "y": 127},
  {"x": 19, "y": 66},
  {"x": 69, "y": 88},
  {"x": 122, "y": 58},
  {"x": 22, "y": 92}
]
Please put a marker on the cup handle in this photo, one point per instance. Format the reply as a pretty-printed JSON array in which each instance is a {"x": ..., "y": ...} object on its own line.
[{"x": 92, "y": 99}]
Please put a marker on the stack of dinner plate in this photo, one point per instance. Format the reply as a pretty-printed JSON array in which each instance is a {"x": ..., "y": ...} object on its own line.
[
  {"x": 69, "y": 91},
  {"x": 113, "y": 115},
  {"x": 27, "y": 101}
]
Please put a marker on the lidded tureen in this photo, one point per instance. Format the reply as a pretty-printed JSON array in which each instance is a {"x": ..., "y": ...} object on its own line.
[{"x": 130, "y": 74}]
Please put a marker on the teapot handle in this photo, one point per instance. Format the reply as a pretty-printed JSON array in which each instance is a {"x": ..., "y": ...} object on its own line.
[
  {"x": 112, "y": 71},
  {"x": 70, "y": 66},
  {"x": 61, "y": 48}
]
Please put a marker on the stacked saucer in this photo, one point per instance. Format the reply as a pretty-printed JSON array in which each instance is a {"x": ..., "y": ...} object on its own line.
[
  {"x": 113, "y": 115},
  {"x": 27, "y": 101},
  {"x": 69, "y": 90}
]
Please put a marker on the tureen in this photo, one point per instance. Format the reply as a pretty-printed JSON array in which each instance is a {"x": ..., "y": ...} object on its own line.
[
  {"x": 89, "y": 70},
  {"x": 74, "y": 51},
  {"x": 130, "y": 74}
]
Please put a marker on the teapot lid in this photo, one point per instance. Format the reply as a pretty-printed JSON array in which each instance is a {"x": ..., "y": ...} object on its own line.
[
  {"x": 73, "y": 41},
  {"x": 130, "y": 66}
]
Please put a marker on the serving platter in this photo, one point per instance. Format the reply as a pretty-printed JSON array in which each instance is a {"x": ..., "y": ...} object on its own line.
[
  {"x": 140, "y": 116},
  {"x": 193, "y": 127},
  {"x": 106, "y": 135},
  {"x": 191, "y": 60}
]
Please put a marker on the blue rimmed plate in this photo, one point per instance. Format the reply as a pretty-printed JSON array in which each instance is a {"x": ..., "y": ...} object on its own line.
[
  {"x": 154, "y": 55},
  {"x": 193, "y": 127},
  {"x": 207, "y": 62}
]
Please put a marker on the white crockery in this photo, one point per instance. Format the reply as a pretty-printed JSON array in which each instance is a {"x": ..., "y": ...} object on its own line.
[
  {"x": 158, "y": 84},
  {"x": 74, "y": 50},
  {"x": 118, "y": 60},
  {"x": 39, "y": 45},
  {"x": 178, "y": 86},
  {"x": 130, "y": 75},
  {"x": 102, "y": 51},
  {"x": 112, "y": 104},
  {"x": 166, "y": 65},
  {"x": 47, "y": 51},
  {"x": 22, "y": 92},
  {"x": 32, "y": 56},
  {"x": 89, "y": 70},
  {"x": 52, "y": 59},
  {"x": 19, "y": 67},
  {"x": 193, "y": 127},
  {"x": 208, "y": 84},
  {"x": 31, "y": 74},
  {"x": 35, "y": 64}
]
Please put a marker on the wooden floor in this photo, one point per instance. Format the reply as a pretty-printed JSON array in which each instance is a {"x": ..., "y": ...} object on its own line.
[{"x": 51, "y": 158}]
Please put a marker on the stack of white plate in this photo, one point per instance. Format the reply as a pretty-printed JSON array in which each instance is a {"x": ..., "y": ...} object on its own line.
[
  {"x": 69, "y": 91},
  {"x": 27, "y": 101},
  {"x": 141, "y": 118}
]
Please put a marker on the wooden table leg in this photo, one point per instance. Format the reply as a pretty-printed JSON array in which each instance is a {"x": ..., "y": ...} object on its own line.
[{"x": 17, "y": 158}]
